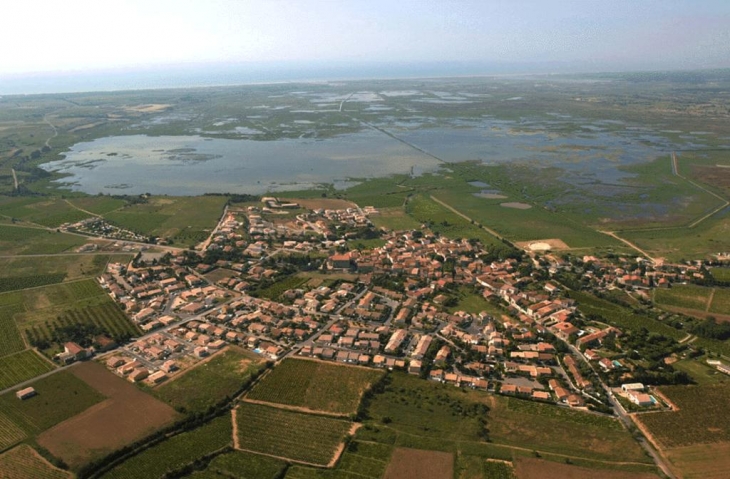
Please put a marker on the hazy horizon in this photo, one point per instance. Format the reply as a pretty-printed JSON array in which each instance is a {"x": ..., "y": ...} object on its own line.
[
  {"x": 82, "y": 37},
  {"x": 221, "y": 74}
]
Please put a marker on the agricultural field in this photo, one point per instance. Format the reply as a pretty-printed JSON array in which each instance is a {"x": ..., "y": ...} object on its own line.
[
  {"x": 720, "y": 301},
  {"x": 24, "y": 462},
  {"x": 475, "y": 467},
  {"x": 721, "y": 274},
  {"x": 700, "y": 417},
  {"x": 529, "y": 468},
  {"x": 443, "y": 221},
  {"x": 379, "y": 192},
  {"x": 315, "y": 386},
  {"x": 10, "y": 433},
  {"x": 700, "y": 372},
  {"x": 23, "y": 282},
  {"x": 104, "y": 318},
  {"x": 702, "y": 461},
  {"x": 176, "y": 452},
  {"x": 129, "y": 412},
  {"x": 184, "y": 220},
  {"x": 394, "y": 218},
  {"x": 71, "y": 267},
  {"x": 46, "y": 212},
  {"x": 245, "y": 464},
  {"x": 422, "y": 464},
  {"x": 98, "y": 205},
  {"x": 73, "y": 311},
  {"x": 428, "y": 415},
  {"x": 684, "y": 296},
  {"x": 11, "y": 341},
  {"x": 205, "y": 385},
  {"x": 16, "y": 240},
  {"x": 359, "y": 460},
  {"x": 59, "y": 396},
  {"x": 526, "y": 223},
  {"x": 22, "y": 366},
  {"x": 289, "y": 434},
  {"x": 620, "y": 316},
  {"x": 678, "y": 244}
]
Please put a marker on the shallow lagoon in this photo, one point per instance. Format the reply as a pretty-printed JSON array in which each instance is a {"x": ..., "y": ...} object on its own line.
[{"x": 194, "y": 164}]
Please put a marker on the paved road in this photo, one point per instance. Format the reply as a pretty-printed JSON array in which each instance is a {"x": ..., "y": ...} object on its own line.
[{"x": 624, "y": 417}]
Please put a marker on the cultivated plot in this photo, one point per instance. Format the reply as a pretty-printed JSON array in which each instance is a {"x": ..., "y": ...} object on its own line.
[
  {"x": 315, "y": 386},
  {"x": 288, "y": 434}
]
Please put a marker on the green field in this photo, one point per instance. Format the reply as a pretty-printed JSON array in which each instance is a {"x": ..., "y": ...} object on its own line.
[
  {"x": 720, "y": 301},
  {"x": 10, "y": 433},
  {"x": 473, "y": 303},
  {"x": 245, "y": 465},
  {"x": 73, "y": 311},
  {"x": 98, "y": 204},
  {"x": 19, "y": 367},
  {"x": 20, "y": 241},
  {"x": 34, "y": 281},
  {"x": 701, "y": 417},
  {"x": 24, "y": 463},
  {"x": 394, "y": 218},
  {"x": 176, "y": 452},
  {"x": 207, "y": 384},
  {"x": 677, "y": 244},
  {"x": 443, "y": 221},
  {"x": 185, "y": 220},
  {"x": 289, "y": 434},
  {"x": 51, "y": 212},
  {"x": 700, "y": 372},
  {"x": 276, "y": 289},
  {"x": 427, "y": 415},
  {"x": 105, "y": 318},
  {"x": 620, "y": 316},
  {"x": 721, "y": 274},
  {"x": 71, "y": 266},
  {"x": 359, "y": 460},
  {"x": 683, "y": 296},
  {"x": 315, "y": 385},
  {"x": 59, "y": 397},
  {"x": 11, "y": 340}
]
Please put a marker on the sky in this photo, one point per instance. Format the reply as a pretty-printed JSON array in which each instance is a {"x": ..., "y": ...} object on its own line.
[{"x": 586, "y": 35}]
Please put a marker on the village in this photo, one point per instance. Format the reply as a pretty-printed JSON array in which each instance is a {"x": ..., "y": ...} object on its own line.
[{"x": 384, "y": 307}]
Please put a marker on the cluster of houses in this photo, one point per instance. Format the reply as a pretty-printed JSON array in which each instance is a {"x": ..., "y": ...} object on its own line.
[
  {"x": 96, "y": 226},
  {"x": 157, "y": 296},
  {"x": 413, "y": 324}
]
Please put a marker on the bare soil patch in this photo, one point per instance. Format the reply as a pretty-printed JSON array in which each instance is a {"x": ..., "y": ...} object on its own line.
[
  {"x": 528, "y": 468},
  {"x": 341, "y": 448},
  {"x": 553, "y": 243},
  {"x": 326, "y": 203},
  {"x": 149, "y": 108},
  {"x": 407, "y": 463},
  {"x": 128, "y": 415},
  {"x": 516, "y": 205}
]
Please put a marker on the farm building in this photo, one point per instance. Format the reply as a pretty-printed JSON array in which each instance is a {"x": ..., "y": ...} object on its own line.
[
  {"x": 26, "y": 393},
  {"x": 639, "y": 398},
  {"x": 632, "y": 387}
]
